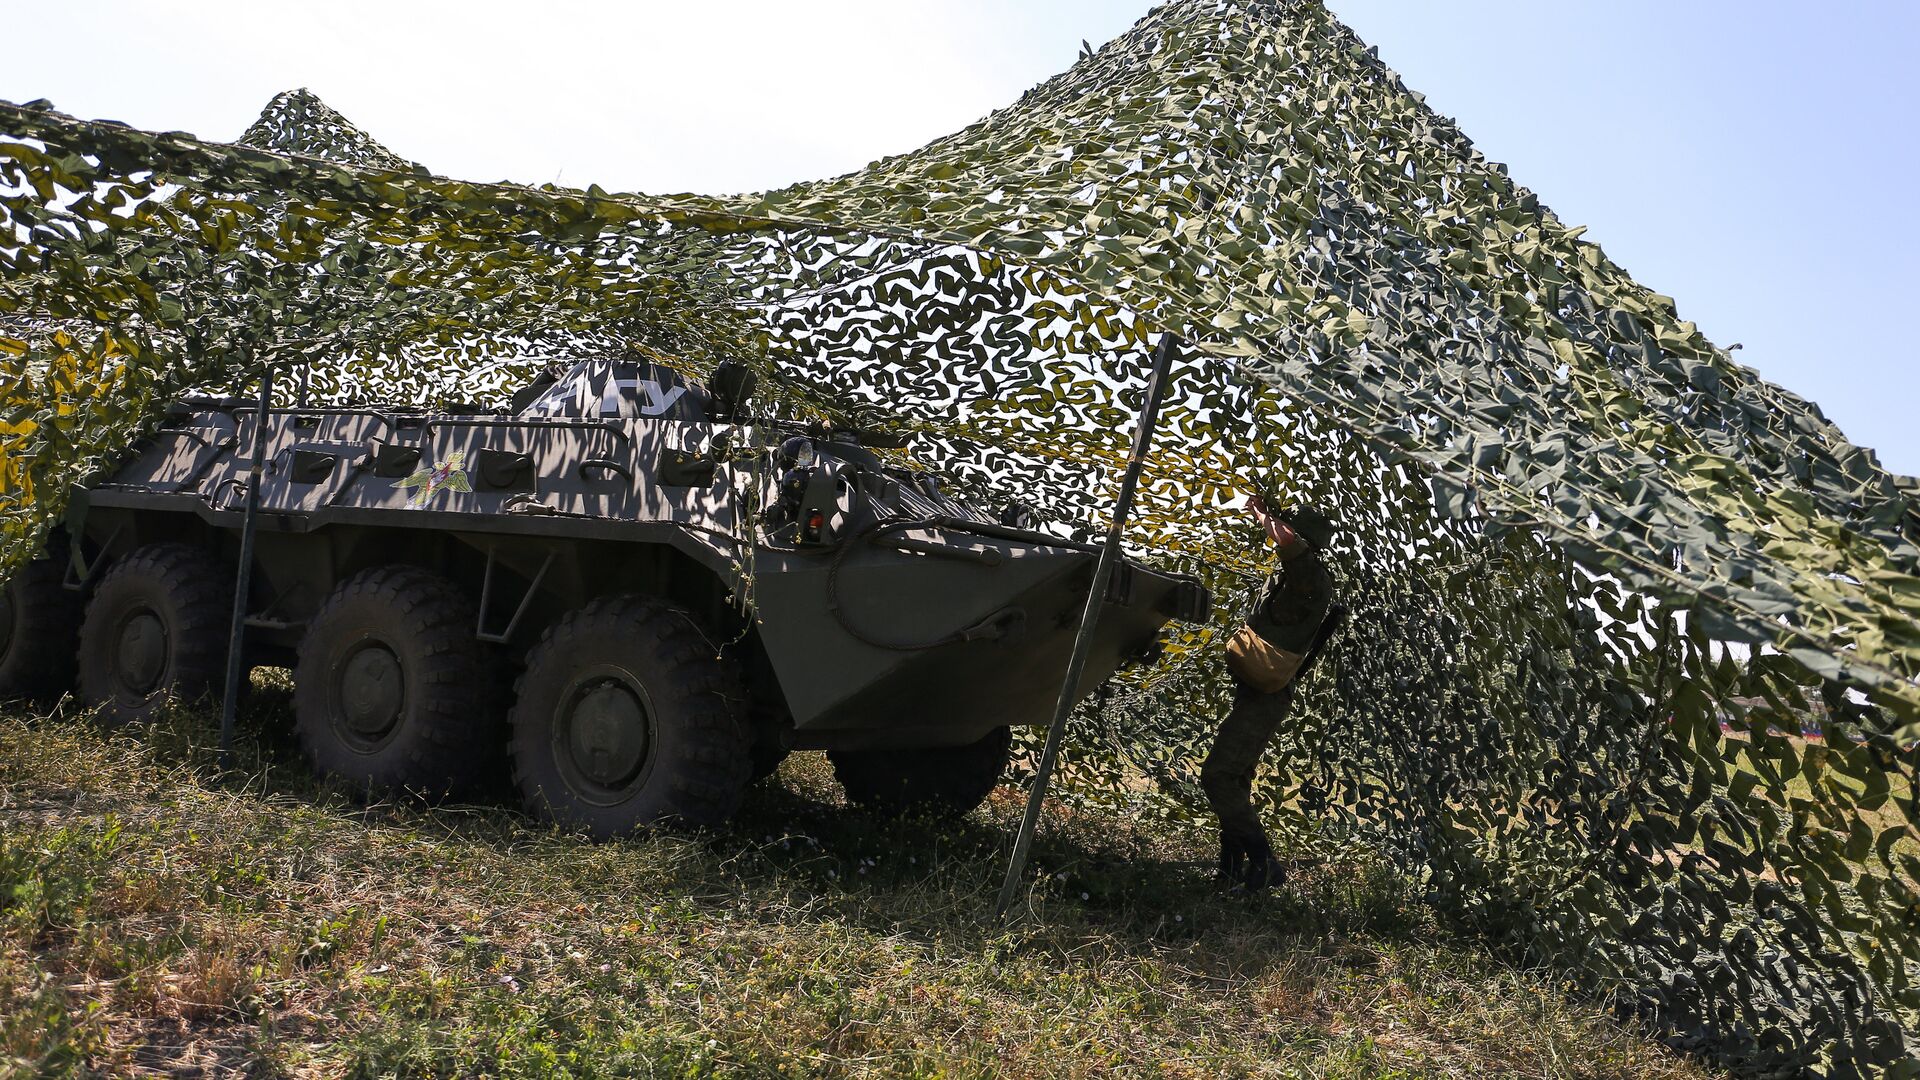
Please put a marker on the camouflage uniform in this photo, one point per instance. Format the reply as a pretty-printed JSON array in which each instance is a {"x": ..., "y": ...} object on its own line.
[{"x": 1289, "y": 615}]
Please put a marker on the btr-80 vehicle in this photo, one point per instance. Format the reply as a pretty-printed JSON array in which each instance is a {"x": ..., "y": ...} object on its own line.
[{"x": 633, "y": 591}]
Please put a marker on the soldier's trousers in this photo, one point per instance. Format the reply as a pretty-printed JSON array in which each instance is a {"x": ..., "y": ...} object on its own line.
[{"x": 1227, "y": 775}]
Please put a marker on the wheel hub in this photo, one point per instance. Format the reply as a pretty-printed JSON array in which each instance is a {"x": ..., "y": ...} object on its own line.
[
  {"x": 142, "y": 654},
  {"x": 607, "y": 734},
  {"x": 372, "y": 691}
]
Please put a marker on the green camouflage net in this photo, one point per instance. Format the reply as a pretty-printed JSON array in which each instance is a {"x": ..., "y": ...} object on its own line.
[{"x": 1603, "y": 580}]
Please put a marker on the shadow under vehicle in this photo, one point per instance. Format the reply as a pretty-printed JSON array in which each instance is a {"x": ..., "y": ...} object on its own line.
[{"x": 639, "y": 595}]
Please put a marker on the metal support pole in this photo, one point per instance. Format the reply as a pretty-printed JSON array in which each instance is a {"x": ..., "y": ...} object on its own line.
[
  {"x": 1090, "y": 616},
  {"x": 237, "y": 633}
]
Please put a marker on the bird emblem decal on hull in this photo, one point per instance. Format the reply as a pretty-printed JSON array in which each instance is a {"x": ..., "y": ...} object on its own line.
[{"x": 448, "y": 475}]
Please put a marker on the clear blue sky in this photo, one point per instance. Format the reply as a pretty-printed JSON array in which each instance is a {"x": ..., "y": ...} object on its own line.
[{"x": 1755, "y": 160}]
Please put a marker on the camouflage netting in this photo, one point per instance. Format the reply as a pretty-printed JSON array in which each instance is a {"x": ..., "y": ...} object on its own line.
[{"x": 1600, "y": 573}]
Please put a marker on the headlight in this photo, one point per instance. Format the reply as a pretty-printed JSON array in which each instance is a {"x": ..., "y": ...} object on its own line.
[{"x": 797, "y": 453}]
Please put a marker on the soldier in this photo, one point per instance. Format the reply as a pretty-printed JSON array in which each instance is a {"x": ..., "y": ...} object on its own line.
[{"x": 1264, "y": 657}]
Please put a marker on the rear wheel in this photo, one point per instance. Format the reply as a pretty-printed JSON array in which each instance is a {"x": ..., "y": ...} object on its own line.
[
  {"x": 767, "y": 749},
  {"x": 944, "y": 781},
  {"x": 156, "y": 628},
  {"x": 392, "y": 690},
  {"x": 625, "y": 717},
  {"x": 767, "y": 758},
  {"x": 39, "y": 633}
]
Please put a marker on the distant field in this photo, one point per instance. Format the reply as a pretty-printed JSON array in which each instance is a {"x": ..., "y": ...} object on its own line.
[{"x": 158, "y": 917}]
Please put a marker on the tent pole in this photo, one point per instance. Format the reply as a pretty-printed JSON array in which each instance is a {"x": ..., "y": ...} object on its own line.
[
  {"x": 1090, "y": 616},
  {"x": 237, "y": 632}
]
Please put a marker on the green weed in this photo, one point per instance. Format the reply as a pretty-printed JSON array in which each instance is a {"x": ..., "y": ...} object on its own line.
[{"x": 162, "y": 915}]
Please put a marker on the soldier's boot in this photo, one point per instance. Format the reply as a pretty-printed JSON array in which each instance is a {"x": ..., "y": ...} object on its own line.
[
  {"x": 1263, "y": 871},
  {"x": 1233, "y": 857}
]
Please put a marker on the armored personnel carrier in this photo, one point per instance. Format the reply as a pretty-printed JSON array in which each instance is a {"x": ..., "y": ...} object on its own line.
[{"x": 627, "y": 587}]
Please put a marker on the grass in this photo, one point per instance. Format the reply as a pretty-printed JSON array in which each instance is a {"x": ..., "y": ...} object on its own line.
[{"x": 158, "y": 915}]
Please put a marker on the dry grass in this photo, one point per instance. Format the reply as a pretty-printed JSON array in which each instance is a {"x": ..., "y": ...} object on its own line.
[{"x": 157, "y": 916}]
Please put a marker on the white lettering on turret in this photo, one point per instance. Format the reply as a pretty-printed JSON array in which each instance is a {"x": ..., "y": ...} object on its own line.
[
  {"x": 662, "y": 401},
  {"x": 578, "y": 392},
  {"x": 656, "y": 400}
]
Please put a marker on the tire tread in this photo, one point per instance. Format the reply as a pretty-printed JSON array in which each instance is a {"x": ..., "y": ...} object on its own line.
[
  {"x": 457, "y": 736},
  {"x": 201, "y": 590},
  {"x": 943, "y": 781},
  {"x": 711, "y": 777},
  {"x": 41, "y": 660}
]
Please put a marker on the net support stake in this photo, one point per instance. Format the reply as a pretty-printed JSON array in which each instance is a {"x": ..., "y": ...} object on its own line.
[
  {"x": 1089, "y": 618},
  {"x": 243, "y": 577}
]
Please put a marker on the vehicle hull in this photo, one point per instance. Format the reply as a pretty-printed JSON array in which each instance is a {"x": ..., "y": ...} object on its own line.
[{"x": 913, "y": 620}]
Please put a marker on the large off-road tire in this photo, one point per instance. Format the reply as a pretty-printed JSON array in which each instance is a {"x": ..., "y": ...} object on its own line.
[
  {"x": 942, "y": 781},
  {"x": 392, "y": 692},
  {"x": 767, "y": 757},
  {"x": 625, "y": 717},
  {"x": 39, "y": 633},
  {"x": 156, "y": 628},
  {"x": 766, "y": 750}
]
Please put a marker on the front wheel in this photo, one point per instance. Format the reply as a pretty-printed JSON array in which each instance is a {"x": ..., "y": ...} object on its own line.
[
  {"x": 625, "y": 717},
  {"x": 945, "y": 781}
]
